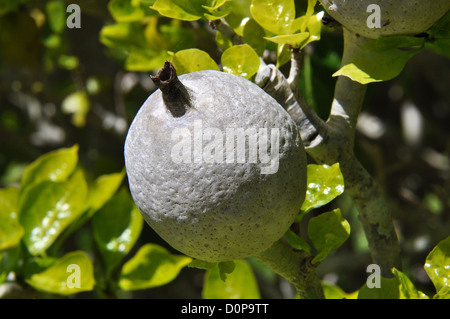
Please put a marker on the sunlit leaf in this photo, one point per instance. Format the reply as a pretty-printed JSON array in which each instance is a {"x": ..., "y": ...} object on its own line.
[
  {"x": 283, "y": 54},
  {"x": 275, "y": 16},
  {"x": 152, "y": 266},
  {"x": 70, "y": 274},
  {"x": 240, "y": 60},
  {"x": 47, "y": 208},
  {"x": 437, "y": 265},
  {"x": 191, "y": 60},
  {"x": 381, "y": 59},
  {"x": 295, "y": 40},
  {"x": 216, "y": 4},
  {"x": 10, "y": 230},
  {"x": 104, "y": 188},
  {"x": 187, "y": 10},
  {"x": 240, "y": 284},
  {"x": 334, "y": 292},
  {"x": 53, "y": 166},
  {"x": 324, "y": 183},
  {"x": 407, "y": 288},
  {"x": 327, "y": 231},
  {"x": 117, "y": 226}
]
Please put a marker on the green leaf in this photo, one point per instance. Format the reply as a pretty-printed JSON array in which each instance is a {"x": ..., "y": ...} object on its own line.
[
  {"x": 444, "y": 293},
  {"x": 302, "y": 22},
  {"x": 48, "y": 208},
  {"x": 187, "y": 10},
  {"x": 241, "y": 60},
  {"x": 389, "y": 289},
  {"x": 324, "y": 183},
  {"x": 215, "y": 5},
  {"x": 54, "y": 166},
  {"x": 117, "y": 226},
  {"x": 219, "y": 9},
  {"x": 381, "y": 59},
  {"x": 191, "y": 60},
  {"x": 123, "y": 35},
  {"x": 297, "y": 242},
  {"x": 295, "y": 40},
  {"x": 334, "y": 292},
  {"x": 407, "y": 288},
  {"x": 152, "y": 266},
  {"x": 141, "y": 59},
  {"x": 56, "y": 15},
  {"x": 327, "y": 232},
  {"x": 201, "y": 264},
  {"x": 8, "y": 261},
  {"x": 441, "y": 29},
  {"x": 70, "y": 274},
  {"x": 275, "y": 16},
  {"x": 283, "y": 54},
  {"x": 253, "y": 34},
  {"x": 240, "y": 284},
  {"x": 10, "y": 230},
  {"x": 103, "y": 189},
  {"x": 437, "y": 265},
  {"x": 125, "y": 10},
  {"x": 77, "y": 104},
  {"x": 225, "y": 269}
]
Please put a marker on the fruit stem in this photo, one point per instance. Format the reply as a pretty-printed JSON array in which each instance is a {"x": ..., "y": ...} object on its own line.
[
  {"x": 174, "y": 93},
  {"x": 294, "y": 266}
]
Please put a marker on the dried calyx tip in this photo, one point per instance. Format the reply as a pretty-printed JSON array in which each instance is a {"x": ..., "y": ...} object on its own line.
[{"x": 175, "y": 95}]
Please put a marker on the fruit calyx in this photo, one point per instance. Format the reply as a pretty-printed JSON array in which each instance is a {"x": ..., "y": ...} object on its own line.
[{"x": 174, "y": 93}]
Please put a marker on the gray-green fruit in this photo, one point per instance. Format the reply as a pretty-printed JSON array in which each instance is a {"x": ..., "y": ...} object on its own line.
[
  {"x": 397, "y": 17},
  {"x": 214, "y": 211}
]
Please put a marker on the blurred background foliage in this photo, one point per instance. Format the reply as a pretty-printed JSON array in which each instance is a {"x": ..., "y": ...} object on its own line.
[{"x": 63, "y": 86}]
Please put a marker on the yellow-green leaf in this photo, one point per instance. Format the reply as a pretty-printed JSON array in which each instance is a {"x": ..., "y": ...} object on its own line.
[
  {"x": 10, "y": 230},
  {"x": 48, "y": 208},
  {"x": 295, "y": 40},
  {"x": 117, "y": 226},
  {"x": 437, "y": 265},
  {"x": 239, "y": 284},
  {"x": 240, "y": 60},
  {"x": 152, "y": 266},
  {"x": 70, "y": 274},
  {"x": 187, "y": 10},
  {"x": 191, "y": 60},
  {"x": 53, "y": 166},
  {"x": 275, "y": 16},
  {"x": 327, "y": 231},
  {"x": 381, "y": 59},
  {"x": 324, "y": 183}
]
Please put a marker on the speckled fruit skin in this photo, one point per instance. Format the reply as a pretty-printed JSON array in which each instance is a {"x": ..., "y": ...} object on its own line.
[
  {"x": 217, "y": 211},
  {"x": 398, "y": 17}
]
